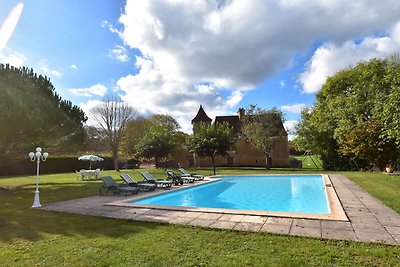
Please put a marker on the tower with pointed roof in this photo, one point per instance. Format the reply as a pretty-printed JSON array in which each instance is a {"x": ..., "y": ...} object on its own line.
[{"x": 201, "y": 117}]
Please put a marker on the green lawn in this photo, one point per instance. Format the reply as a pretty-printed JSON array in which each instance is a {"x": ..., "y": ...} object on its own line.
[
  {"x": 310, "y": 162},
  {"x": 384, "y": 187},
  {"x": 30, "y": 237}
]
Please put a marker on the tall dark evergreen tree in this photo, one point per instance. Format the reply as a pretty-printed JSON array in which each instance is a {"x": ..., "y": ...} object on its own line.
[{"x": 33, "y": 114}]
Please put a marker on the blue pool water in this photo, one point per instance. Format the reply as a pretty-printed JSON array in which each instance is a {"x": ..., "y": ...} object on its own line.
[{"x": 300, "y": 194}]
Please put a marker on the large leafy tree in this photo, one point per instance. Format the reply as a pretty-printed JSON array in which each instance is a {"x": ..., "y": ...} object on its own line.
[
  {"x": 33, "y": 114},
  {"x": 165, "y": 121},
  {"x": 111, "y": 116},
  {"x": 135, "y": 130},
  {"x": 158, "y": 139},
  {"x": 315, "y": 133},
  {"x": 353, "y": 123},
  {"x": 389, "y": 114},
  {"x": 263, "y": 127},
  {"x": 211, "y": 140}
]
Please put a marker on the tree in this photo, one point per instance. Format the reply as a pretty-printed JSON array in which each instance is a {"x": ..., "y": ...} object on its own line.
[
  {"x": 33, "y": 114},
  {"x": 314, "y": 132},
  {"x": 210, "y": 140},
  {"x": 112, "y": 115},
  {"x": 159, "y": 140},
  {"x": 354, "y": 119},
  {"x": 94, "y": 140},
  {"x": 263, "y": 127},
  {"x": 165, "y": 121},
  {"x": 390, "y": 112},
  {"x": 135, "y": 129}
]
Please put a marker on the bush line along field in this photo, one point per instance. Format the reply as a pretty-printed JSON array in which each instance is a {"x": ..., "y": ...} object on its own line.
[{"x": 36, "y": 237}]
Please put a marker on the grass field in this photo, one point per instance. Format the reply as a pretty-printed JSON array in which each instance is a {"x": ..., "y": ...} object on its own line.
[
  {"x": 310, "y": 162},
  {"x": 31, "y": 237}
]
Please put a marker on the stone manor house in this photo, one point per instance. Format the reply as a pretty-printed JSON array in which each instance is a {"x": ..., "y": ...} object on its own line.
[{"x": 243, "y": 154}]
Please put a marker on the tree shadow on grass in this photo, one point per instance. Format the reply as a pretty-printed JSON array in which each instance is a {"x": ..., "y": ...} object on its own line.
[{"x": 19, "y": 221}]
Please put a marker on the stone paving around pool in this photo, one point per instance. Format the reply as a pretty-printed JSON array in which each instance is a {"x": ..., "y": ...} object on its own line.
[{"x": 369, "y": 219}]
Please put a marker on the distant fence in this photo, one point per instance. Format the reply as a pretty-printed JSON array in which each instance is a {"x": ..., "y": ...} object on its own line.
[{"x": 54, "y": 165}]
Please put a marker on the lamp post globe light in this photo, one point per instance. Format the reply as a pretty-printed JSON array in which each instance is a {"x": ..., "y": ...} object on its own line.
[{"x": 38, "y": 156}]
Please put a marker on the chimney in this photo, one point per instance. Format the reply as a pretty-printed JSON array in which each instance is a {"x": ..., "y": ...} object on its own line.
[{"x": 241, "y": 113}]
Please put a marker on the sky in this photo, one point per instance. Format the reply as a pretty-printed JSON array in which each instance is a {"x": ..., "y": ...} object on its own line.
[{"x": 171, "y": 56}]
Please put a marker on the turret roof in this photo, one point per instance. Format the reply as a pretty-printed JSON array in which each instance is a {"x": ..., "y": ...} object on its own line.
[{"x": 201, "y": 116}]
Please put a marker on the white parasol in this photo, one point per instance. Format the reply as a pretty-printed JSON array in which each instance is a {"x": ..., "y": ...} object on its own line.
[{"x": 90, "y": 158}]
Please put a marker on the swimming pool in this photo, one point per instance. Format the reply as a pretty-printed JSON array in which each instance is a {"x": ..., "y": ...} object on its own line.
[{"x": 278, "y": 193}]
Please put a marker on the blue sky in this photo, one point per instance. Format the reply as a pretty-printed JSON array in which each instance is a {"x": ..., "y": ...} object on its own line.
[{"x": 170, "y": 56}]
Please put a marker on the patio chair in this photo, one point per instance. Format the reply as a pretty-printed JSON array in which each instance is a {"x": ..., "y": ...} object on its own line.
[
  {"x": 158, "y": 182},
  {"x": 97, "y": 174},
  {"x": 84, "y": 175},
  {"x": 144, "y": 186},
  {"x": 194, "y": 175},
  {"x": 110, "y": 184},
  {"x": 179, "y": 178}
]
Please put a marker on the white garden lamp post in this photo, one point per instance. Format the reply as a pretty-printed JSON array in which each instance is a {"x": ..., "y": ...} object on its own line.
[{"x": 38, "y": 156}]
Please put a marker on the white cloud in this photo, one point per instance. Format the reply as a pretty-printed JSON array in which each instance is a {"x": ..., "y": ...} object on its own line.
[
  {"x": 239, "y": 43},
  {"x": 13, "y": 58},
  {"x": 290, "y": 127},
  {"x": 282, "y": 83},
  {"x": 231, "y": 46},
  {"x": 109, "y": 26},
  {"x": 330, "y": 58},
  {"x": 97, "y": 89},
  {"x": 47, "y": 70},
  {"x": 73, "y": 67},
  {"x": 9, "y": 25},
  {"x": 120, "y": 53},
  {"x": 150, "y": 92},
  {"x": 88, "y": 109},
  {"x": 295, "y": 108},
  {"x": 234, "y": 98}
]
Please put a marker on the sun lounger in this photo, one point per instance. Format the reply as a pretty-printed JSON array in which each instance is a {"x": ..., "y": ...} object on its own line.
[
  {"x": 110, "y": 184},
  {"x": 144, "y": 186},
  {"x": 194, "y": 175},
  {"x": 180, "y": 178},
  {"x": 177, "y": 180},
  {"x": 158, "y": 182}
]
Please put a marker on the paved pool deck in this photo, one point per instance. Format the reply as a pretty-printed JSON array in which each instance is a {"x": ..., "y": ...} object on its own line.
[{"x": 369, "y": 220}]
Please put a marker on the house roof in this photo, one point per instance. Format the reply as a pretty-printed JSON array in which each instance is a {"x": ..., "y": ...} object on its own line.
[
  {"x": 233, "y": 121},
  {"x": 201, "y": 116}
]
